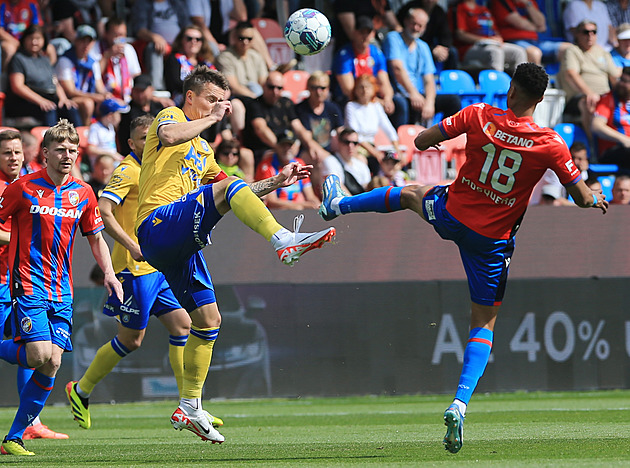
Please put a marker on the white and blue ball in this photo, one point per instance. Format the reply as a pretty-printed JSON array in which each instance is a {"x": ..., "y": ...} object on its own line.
[{"x": 307, "y": 31}]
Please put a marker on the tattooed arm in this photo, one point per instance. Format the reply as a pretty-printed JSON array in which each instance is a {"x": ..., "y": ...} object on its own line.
[{"x": 289, "y": 174}]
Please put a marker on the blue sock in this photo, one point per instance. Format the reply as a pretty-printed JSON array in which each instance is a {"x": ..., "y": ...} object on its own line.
[
  {"x": 32, "y": 400},
  {"x": 13, "y": 352},
  {"x": 23, "y": 376},
  {"x": 476, "y": 358},
  {"x": 380, "y": 200}
]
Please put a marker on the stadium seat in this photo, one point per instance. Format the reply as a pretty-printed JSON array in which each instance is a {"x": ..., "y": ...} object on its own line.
[
  {"x": 607, "y": 182},
  {"x": 496, "y": 84},
  {"x": 273, "y": 35},
  {"x": 38, "y": 132},
  {"x": 461, "y": 83},
  {"x": 382, "y": 141},
  {"x": 295, "y": 85},
  {"x": 571, "y": 133},
  {"x": 454, "y": 154},
  {"x": 406, "y": 136}
]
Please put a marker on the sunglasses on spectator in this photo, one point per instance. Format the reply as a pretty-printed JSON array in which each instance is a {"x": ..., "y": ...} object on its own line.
[
  {"x": 245, "y": 38},
  {"x": 192, "y": 39},
  {"x": 279, "y": 88},
  {"x": 227, "y": 153},
  {"x": 349, "y": 142},
  {"x": 589, "y": 31},
  {"x": 319, "y": 88}
]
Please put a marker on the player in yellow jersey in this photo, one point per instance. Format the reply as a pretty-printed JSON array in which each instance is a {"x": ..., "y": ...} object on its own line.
[
  {"x": 183, "y": 195},
  {"x": 146, "y": 291}
]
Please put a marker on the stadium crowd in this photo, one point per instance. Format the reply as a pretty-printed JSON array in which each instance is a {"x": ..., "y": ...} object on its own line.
[{"x": 100, "y": 64}]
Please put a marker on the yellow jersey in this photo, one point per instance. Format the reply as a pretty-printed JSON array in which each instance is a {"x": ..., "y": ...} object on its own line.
[
  {"x": 170, "y": 172},
  {"x": 122, "y": 189}
]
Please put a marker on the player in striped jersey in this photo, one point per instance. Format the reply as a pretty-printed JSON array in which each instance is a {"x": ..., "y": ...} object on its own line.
[
  {"x": 46, "y": 208},
  {"x": 506, "y": 155}
]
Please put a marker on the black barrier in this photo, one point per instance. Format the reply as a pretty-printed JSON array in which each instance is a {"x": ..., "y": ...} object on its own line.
[{"x": 354, "y": 339}]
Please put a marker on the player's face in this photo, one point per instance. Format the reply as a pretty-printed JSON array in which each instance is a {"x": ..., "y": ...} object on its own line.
[
  {"x": 202, "y": 104},
  {"x": 137, "y": 140},
  {"x": 11, "y": 157},
  {"x": 61, "y": 156}
]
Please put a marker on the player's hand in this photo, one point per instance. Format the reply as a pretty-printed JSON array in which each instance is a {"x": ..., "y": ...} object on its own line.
[
  {"x": 221, "y": 109},
  {"x": 113, "y": 286},
  {"x": 293, "y": 172},
  {"x": 602, "y": 203},
  {"x": 136, "y": 253}
]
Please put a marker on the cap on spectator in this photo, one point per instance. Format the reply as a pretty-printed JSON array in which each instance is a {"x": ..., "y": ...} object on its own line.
[
  {"x": 286, "y": 136},
  {"x": 142, "y": 82},
  {"x": 551, "y": 190},
  {"x": 112, "y": 105},
  {"x": 391, "y": 156},
  {"x": 364, "y": 22},
  {"x": 85, "y": 30},
  {"x": 623, "y": 31}
]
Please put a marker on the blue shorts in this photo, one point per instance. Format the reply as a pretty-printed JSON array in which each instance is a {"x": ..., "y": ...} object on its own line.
[
  {"x": 37, "y": 319},
  {"x": 171, "y": 239},
  {"x": 143, "y": 296},
  {"x": 549, "y": 49},
  {"x": 485, "y": 260},
  {"x": 5, "y": 312}
]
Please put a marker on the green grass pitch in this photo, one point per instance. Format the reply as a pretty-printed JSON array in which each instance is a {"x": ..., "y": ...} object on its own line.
[{"x": 501, "y": 430}]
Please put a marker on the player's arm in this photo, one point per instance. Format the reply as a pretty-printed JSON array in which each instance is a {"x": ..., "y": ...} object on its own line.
[
  {"x": 432, "y": 136},
  {"x": 5, "y": 237},
  {"x": 584, "y": 197},
  {"x": 100, "y": 251},
  {"x": 114, "y": 229},
  {"x": 173, "y": 134},
  {"x": 289, "y": 174}
]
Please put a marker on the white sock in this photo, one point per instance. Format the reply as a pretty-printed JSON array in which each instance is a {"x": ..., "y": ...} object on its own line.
[
  {"x": 461, "y": 406},
  {"x": 191, "y": 405},
  {"x": 81, "y": 393},
  {"x": 35, "y": 421},
  {"x": 281, "y": 237},
  {"x": 334, "y": 204}
]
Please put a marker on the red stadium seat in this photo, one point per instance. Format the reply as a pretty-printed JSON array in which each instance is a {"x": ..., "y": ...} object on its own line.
[
  {"x": 273, "y": 35},
  {"x": 295, "y": 85}
]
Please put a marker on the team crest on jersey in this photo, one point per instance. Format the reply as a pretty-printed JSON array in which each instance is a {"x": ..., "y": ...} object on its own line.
[
  {"x": 73, "y": 198},
  {"x": 26, "y": 325},
  {"x": 204, "y": 145},
  {"x": 125, "y": 318}
]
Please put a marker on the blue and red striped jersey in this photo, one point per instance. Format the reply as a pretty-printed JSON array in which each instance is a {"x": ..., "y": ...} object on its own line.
[{"x": 45, "y": 218}]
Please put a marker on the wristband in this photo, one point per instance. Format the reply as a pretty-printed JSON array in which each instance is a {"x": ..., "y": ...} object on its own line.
[{"x": 594, "y": 200}]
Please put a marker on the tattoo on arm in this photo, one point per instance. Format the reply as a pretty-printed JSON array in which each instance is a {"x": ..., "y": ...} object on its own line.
[{"x": 262, "y": 187}]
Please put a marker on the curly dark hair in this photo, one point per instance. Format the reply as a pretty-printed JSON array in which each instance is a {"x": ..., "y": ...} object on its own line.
[{"x": 532, "y": 79}]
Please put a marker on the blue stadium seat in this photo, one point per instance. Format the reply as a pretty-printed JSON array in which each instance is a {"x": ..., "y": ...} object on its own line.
[
  {"x": 607, "y": 182},
  {"x": 571, "y": 133},
  {"x": 495, "y": 84},
  {"x": 461, "y": 83}
]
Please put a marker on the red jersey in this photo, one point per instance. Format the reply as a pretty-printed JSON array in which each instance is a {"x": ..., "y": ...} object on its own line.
[
  {"x": 15, "y": 17},
  {"x": 617, "y": 116},
  {"x": 4, "y": 249},
  {"x": 476, "y": 20},
  {"x": 505, "y": 157},
  {"x": 501, "y": 9},
  {"x": 45, "y": 220}
]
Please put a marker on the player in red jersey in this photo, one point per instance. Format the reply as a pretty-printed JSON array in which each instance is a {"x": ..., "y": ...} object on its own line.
[
  {"x": 506, "y": 155},
  {"x": 46, "y": 208}
]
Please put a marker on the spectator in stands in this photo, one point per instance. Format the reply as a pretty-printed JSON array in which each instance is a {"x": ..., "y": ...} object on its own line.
[
  {"x": 15, "y": 17},
  {"x": 300, "y": 195},
  {"x": 142, "y": 102},
  {"x": 189, "y": 50},
  {"x": 244, "y": 68},
  {"x": 102, "y": 134},
  {"x": 412, "y": 70},
  {"x": 594, "y": 184},
  {"x": 611, "y": 123},
  {"x": 61, "y": 16},
  {"x": 157, "y": 23},
  {"x": 118, "y": 59},
  {"x": 348, "y": 12},
  {"x": 586, "y": 73},
  {"x": 317, "y": 113},
  {"x": 578, "y": 11},
  {"x": 33, "y": 90},
  {"x": 479, "y": 43},
  {"x": 347, "y": 164},
  {"x": 80, "y": 74},
  {"x": 619, "y": 13},
  {"x": 390, "y": 173},
  {"x": 33, "y": 159},
  {"x": 366, "y": 115},
  {"x": 621, "y": 53},
  {"x": 621, "y": 190},
  {"x": 579, "y": 154},
  {"x": 438, "y": 33},
  {"x": 270, "y": 115},
  {"x": 102, "y": 170},
  {"x": 519, "y": 22},
  {"x": 361, "y": 57},
  {"x": 227, "y": 155}
]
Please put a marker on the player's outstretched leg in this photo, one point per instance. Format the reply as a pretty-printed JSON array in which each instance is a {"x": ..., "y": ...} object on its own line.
[
  {"x": 15, "y": 447},
  {"x": 289, "y": 246},
  {"x": 79, "y": 406},
  {"x": 336, "y": 202},
  {"x": 199, "y": 424},
  {"x": 454, "y": 422}
]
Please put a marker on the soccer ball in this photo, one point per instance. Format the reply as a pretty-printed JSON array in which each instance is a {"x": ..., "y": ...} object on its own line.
[{"x": 307, "y": 31}]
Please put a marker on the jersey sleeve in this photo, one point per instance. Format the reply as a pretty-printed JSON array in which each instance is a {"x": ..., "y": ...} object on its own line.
[
  {"x": 91, "y": 222},
  {"x": 9, "y": 201},
  {"x": 562, "y": 162},
  {"x": 121, "y": 182},
  {"x": 456, "y": 124}
]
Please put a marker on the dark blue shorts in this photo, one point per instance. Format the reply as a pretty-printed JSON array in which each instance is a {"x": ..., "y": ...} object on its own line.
[
  {"x": 171, "y": 239},
  {"x": 36, "y": 319},
  {"x": 143, "y": 296},
  {"x": 485, "y": 260}
]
